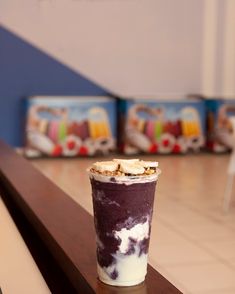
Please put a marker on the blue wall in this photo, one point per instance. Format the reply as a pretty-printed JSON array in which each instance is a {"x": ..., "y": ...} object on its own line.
[{"x": 26, "y": 71}]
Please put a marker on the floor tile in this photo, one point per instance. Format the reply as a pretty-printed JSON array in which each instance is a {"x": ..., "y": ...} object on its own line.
[
  {"x": 218, "y": 291},
  {"x": 221, "y": 216},
  {"x": 178, "y": 214},
  {"x": 183, "y": 252},
  {"x": 232, "y": 263},
  {"x": 160, "y": 234},
  {"x": 224, "y": 249},
  {"x": 203, "y": 231},
  {"x": 203, "y": 277}
]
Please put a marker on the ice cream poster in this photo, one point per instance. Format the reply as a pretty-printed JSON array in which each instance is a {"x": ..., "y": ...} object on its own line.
[
  {"x": 220, "y": 126},
  {"x": 162, "y": 127},
  {"x": 70, "y": 126}
]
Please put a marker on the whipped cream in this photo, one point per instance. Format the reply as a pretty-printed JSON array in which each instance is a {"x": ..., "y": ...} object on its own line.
[
  {"x": 121, "y": 272},
  {"x": 137, "y": 233},
  {"x": 124, "y": 268}
]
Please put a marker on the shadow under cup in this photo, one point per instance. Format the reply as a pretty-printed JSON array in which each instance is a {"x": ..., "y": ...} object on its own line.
[{"x": 122, "y": 216}]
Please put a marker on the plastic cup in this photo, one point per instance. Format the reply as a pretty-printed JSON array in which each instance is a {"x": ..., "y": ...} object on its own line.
[{"x": 123, "y": 208}]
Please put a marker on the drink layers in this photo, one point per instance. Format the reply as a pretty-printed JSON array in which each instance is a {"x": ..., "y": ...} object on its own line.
[{"x": 123, "y": 195}]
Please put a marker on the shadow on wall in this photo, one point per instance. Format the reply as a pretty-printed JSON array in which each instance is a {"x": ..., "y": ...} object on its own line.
[{"x": 26, "y": 71}]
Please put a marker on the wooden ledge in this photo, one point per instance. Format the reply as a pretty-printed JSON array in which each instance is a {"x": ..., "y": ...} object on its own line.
[{"x": 64, "y": 227}]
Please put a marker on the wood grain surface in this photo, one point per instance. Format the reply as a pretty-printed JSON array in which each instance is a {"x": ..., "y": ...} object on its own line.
[{"x": 64, "y": 227}]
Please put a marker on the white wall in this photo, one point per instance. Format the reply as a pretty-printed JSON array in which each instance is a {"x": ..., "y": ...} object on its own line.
[
  {"x": 135, "y": 47},
  {"x": 218, "y": 74}
]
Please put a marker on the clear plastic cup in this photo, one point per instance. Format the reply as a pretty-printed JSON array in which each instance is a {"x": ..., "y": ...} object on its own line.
[{"x": 123, "y": 208}]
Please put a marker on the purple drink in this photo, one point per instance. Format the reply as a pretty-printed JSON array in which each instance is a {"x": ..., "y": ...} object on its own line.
[{"x": 123, "y": 200}]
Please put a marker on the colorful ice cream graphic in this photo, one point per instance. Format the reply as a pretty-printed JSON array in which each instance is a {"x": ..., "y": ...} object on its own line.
[
  {"x": 150, "y": 129},
  {"x": 52, "y": 131},
  {"x": 224, "y": 130}
]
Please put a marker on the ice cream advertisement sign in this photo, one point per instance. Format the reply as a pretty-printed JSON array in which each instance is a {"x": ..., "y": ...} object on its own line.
[
  {"x": 162, "y": 127},
  {"x": 70, "y": 126}
]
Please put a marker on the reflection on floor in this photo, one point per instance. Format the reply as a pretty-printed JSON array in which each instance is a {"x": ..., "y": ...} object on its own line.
[{"x": 192, "y": 242}]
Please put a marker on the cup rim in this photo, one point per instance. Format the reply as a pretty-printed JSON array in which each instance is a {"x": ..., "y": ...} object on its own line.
[{"x": 135, "y": 179}]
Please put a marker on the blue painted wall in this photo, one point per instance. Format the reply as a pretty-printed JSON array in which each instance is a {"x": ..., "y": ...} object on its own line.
[{"x": 26, "y": 71}]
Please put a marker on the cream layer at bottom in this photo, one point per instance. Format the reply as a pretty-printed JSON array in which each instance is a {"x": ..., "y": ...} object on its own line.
[
  {"x": 130, "y": 265},
  {"x": 132, "y": 270}
]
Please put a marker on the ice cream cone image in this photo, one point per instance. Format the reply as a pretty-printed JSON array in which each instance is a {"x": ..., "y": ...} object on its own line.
[
  {"x": 53, "y": 131},
  {"x": 141, "y": 125},
  {"x": 43, "y": 126},
  {"x": 62, "y": 131},
  {"x": 158, "y": 129},
  {"x": 190, "y": 122},
  {"x": 140, "y": 133},
  {"x": 98, "y": 123},
  {"x": 191, "y": 128},
  {"x": 149, "y": 130}
]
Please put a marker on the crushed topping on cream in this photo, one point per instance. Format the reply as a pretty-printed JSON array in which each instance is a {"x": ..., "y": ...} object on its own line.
[{"x": 125, "y": 167}]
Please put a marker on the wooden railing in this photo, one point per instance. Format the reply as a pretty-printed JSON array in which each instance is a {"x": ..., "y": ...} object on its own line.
[{"x": 59, "y": 232}]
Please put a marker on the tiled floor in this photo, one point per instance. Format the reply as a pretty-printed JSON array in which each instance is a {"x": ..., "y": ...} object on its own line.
[{"x": 193, "y": 241}]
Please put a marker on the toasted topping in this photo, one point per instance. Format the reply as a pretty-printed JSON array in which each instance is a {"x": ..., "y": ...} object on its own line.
[
  {"x": 119, "y": 160},
  {"x": 149, "y": 163},
  {"x": 125, "y": 167},
  {"x": 132, "y": 168},
  {"x": 104, "y": 166}
]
